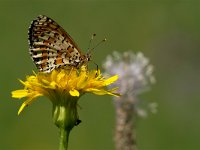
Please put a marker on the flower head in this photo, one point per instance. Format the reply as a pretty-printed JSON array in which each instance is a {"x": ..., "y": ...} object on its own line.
[
  {"x": 134, "y": 71},
  {"x": 64, "y": 83},
  {"x": 135, "y": 76}
]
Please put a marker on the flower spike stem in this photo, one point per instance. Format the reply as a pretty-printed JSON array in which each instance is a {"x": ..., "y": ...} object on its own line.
[{"x": 125, "y": 136}]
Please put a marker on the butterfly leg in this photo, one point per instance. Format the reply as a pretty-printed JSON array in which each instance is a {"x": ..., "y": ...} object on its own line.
[{"x": 97, "y": 67}]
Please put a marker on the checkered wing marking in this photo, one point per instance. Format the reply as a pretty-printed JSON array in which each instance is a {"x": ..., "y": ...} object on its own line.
[{"x": 50, "y": 46}]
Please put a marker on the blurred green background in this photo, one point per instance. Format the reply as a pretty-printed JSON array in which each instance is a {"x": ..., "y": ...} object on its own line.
[{"x": 168, "y": 32}]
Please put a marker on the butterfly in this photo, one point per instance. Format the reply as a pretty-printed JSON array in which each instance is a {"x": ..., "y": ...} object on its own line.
[{"x": 51, "y": 47}]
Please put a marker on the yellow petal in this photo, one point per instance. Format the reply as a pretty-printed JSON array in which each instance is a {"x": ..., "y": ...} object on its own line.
[
  {"x": 53, "y": 85},
  {"x": 19, "y": 93},
  {"x": 53, "y": 75},
  {"x": 46, "y": 82},
  {"x": 96, "y": 91},
  {"x": 28, "y": 102},
  {"x": 34, "y": 73},
  {"x": 82, "y": 82},
  {"x": 60, "y": 75},
  {"x": 101, "y": 92},
  {"x": 113, "y": 89},
  {"x": 22, "y": 82},
  {"x": 111, "y": 80},
  {"x": 73, "y": 73},
  {"x": 74, "y": 93},
  {"x": 21, "y": 108}
]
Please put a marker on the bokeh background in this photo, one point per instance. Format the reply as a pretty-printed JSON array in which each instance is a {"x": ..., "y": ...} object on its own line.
[{"x": 167, "y": 32}]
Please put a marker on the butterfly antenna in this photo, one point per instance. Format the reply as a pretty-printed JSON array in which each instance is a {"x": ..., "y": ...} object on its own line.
[
  {"x": 89, "y": 51},
  {"x": 92, "y": 37}
]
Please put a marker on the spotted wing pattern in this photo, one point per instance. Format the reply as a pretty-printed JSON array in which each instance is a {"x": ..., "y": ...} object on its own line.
[{"x": 50, "y": 46}]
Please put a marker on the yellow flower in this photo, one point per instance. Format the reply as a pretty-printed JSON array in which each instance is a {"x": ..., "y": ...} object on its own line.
[
  {"x": 64, "y": 87},
  {"x": 62, "y": 84}
]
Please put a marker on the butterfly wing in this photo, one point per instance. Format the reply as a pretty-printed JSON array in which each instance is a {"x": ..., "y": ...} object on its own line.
[{"x": 50, "y": 46}]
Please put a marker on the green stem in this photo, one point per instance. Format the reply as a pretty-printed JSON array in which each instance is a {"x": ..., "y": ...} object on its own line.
[
  {"x": 64, "y": 137},
  {"x": 65, "y": 116}
]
